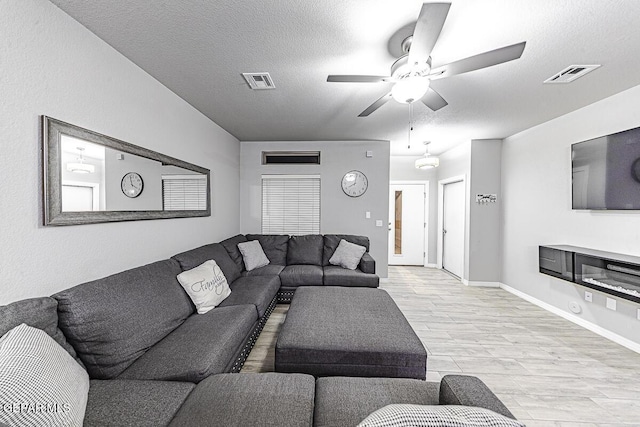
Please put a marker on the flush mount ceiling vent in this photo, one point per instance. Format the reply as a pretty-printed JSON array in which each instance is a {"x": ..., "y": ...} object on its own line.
[
  {"x": 571, "y": 73},
  {"x": 259, "y": 81}
]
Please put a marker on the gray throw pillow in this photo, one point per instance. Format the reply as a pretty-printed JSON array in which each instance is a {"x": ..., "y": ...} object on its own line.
[
  {"x": 252, "y": 255},
  {"x": 41, "y": 383},
  {"x": 406, "y": 415},
  {"x": 347, "y": 255}
]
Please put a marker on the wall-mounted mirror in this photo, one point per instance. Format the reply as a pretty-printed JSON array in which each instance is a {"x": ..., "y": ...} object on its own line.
[{"x": 91, "y": 178}]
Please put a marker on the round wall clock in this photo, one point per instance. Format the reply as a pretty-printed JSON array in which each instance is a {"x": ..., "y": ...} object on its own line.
[
  {"x": 354, "y": 183},
  {"x": 132, "y": 184}
]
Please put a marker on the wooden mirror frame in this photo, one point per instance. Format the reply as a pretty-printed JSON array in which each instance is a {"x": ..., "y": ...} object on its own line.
[{"x": 52, "y": 130}]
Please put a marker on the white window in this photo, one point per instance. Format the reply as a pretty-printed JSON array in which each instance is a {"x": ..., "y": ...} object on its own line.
[
  {"x": 184, "y": 192},
  {"x": 291, "y": 204}
]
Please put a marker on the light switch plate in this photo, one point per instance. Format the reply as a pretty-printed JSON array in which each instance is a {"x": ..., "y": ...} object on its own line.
[
  {"x": 367, "y": 215},
  {"x": 378, "y": 223},
  {"x": 611, "y": 304},
  {"x": 588, "y": 296},
  {"x": 638, "y": 315},
  {"x": 369, "y": 153}
]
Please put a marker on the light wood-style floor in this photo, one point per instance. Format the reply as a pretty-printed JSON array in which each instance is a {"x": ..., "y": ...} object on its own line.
[{"x": 548, "y": 371}]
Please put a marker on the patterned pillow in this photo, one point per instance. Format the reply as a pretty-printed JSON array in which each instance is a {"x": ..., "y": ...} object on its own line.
[
  {"x": 347, "y": 255},
  {"x": 41, "y": 383},
  {"x": 253, "y": 255},
  {"x": 206, "y": 285},
  {"x": 405, "y": 415}
]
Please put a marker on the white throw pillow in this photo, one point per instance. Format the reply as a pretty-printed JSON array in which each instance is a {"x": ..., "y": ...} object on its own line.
[
  {"x": 206, "y": 285},
  {"x": 252, "y": 255},
  {"x": 347, "y": 255},
  {"x": 406, "y": 415},
  {"x": 41, "y": 384}
]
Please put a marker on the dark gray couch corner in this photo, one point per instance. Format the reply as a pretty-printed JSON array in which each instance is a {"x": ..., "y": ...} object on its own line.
[
  {"x": 112, "y": 321},
  {"x": 470, "y": 391},
  {"x": 270, "y": 399}
]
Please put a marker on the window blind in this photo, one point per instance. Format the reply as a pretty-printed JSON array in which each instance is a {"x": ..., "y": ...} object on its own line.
[
  {"x": 290, "y": 205},
  {"x": 184, "y": 192}
]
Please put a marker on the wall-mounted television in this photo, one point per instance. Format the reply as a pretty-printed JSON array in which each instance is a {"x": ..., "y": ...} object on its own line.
[{"x": 606, "y": 172}]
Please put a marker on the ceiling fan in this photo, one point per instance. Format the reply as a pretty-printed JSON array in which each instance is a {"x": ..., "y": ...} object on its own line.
[{"x": 412, "y": 72}]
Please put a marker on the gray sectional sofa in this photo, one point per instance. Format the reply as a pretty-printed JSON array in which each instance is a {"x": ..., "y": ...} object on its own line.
[{"x": 152, "y": 361}]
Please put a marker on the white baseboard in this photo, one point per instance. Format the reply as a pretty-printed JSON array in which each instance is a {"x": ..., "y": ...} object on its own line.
[
  {"x": 618, "y": 339},
  {"x": 480, "y": 284},
  {"x": 431, "y": 265}
]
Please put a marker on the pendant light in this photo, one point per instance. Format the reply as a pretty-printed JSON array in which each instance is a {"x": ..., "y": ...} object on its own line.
[
  {"x": 427, "y": 162},
  {"x": 80, "y": 166}
]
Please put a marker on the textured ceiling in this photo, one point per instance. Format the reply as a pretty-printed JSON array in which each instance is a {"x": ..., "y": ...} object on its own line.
[{"x": 198, "y": 49}]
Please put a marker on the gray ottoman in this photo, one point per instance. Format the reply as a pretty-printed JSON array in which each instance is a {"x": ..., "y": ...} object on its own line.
[{"x": 358, "y": 332}]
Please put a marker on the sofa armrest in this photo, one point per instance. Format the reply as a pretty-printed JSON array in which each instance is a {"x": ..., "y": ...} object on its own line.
[
  {"x": 367, "y": 264},
  {"x": 470, "y": 391}
]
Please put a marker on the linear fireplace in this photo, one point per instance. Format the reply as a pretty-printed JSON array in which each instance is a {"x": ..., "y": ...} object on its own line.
[{"x": 607, "y": 272}]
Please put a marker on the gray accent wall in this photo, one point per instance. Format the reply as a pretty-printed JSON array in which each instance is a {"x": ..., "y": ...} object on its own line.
[
  {"x": 54, "y": 66},
  {"x": 536, "y": 201},
  {"x": 339, "y": 213},
  {"x": 485, "y": 233}
]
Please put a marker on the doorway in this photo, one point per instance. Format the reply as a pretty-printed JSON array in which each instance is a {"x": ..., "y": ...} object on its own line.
[
  {"x": 452, "y": 226},
  {"x": 408, "y": 222}
]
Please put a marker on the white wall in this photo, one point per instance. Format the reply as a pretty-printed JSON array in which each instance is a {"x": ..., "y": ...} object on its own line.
[
  {"x": 52, "y": 65},
  {"x": 536, "y": 194},
  {"x": 402, "y": 168},
  {"x": 340, "y": 214}
]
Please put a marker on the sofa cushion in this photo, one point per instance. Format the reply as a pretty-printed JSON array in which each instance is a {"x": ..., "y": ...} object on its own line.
[
  {"x": 231, "y": 246},
  {"x": 215, "y": 251},
  {"x": 301, "y": 275},
  {"x": 347, "y": 255},
  {"x": 410, "y": 415},
  {"x": 331, "y": 242},
  {"x": 338, "y": 276},
  {"x": 113, "y": 321},
  {"x": 203, "y": 345},
  {"x": 345, "y": 401},
  {"x": 267, "y": 270},
  {"x": 40, "y": 313},
  {"x": 252, "y": 255},
  {"x": 305, "y": 250},
  {"x": 116, "y": 403},
  {"x": 206, "y": 286},
  {"x": 36, "y": 371},
  {"x": 241, "y": 400},
  {"x": 274, "y": 246},
  {"x": 256, "y": 290}
]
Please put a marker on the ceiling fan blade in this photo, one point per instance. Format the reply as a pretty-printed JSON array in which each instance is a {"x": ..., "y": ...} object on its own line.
[
  {"x": 428, "y": 28},
  {"x": 433, "y": 100},
  {"x": 373, "y": 107},
  {"x": 477, "y": 62},
  {"x": 358, "y": 79}
]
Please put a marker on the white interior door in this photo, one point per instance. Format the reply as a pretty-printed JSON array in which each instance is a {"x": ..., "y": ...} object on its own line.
[
  {"x": 77, "y": 198},
  {"x": 407, "y": 223},
  {"x": 453, "y": 227}
]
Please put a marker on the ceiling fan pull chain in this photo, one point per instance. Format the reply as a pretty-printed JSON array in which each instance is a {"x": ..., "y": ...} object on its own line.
[{"x": 410, "y": 126}]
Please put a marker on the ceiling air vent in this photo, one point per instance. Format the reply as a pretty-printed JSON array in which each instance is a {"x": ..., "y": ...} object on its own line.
[
  {"x": 259, "y": 81},
  {"x": 290, "y": 157},
  {"x": 571, "y": 73}
]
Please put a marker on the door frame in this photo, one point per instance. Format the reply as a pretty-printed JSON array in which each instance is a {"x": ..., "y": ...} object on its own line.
[
  {"x": 441, "y": 184},
  {"x": 425, "y": 258}
]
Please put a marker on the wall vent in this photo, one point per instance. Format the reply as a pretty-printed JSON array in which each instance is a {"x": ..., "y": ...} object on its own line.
[
  {"x": 259, "y": 81},
  {"x": 571, "y": 73},
  {"x": 290, "y": 157}
]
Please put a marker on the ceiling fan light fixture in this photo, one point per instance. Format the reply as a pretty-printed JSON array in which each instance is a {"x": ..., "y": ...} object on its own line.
[
  {"x": 410, "y": 89},
  {"x": 80, "y": 166}
]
